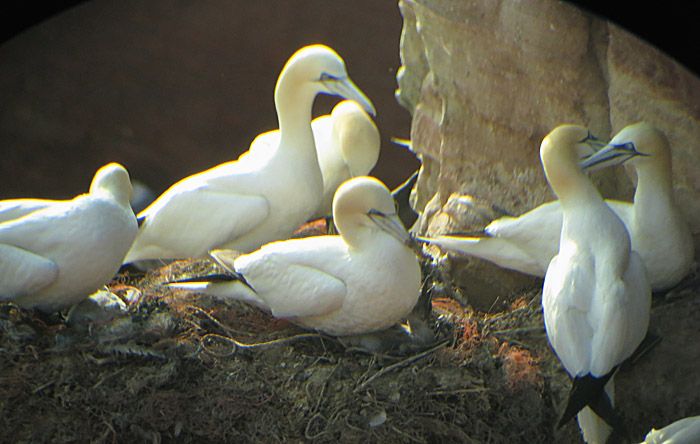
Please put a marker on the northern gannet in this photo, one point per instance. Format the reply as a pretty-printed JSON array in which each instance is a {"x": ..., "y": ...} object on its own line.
[
  {"x": 364, "y": 280},
  {"x": 55, "y": 253},
  {"x": 347, "y": 145},
  {"x": 655, "y": 224},
  {"x": 683, "y": 431},
  {"x": 267, "y": 193},
  {"x": 596, "y": 297}
]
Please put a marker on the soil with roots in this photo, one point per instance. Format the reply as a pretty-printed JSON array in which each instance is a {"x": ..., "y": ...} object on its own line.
[{"x": 186, "y": 368}]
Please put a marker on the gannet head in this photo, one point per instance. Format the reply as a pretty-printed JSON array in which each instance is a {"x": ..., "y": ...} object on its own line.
[
  {"x": 357, "y": 136},
  {"x": 624, "y": 147},
  {"x": 320, "y": 68},
  {"x": 113, "y": 179},
  {"x": 651, "y": 145},
  {"x": 559, "y": 153},
  {"x": 362, "y": 205}
]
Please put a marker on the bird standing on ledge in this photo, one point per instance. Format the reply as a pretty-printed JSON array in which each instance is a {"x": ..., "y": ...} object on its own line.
[{"x": 596, "y": 297}]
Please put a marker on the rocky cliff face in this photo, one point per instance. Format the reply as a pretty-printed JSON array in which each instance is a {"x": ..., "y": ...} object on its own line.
[{"x": 487, "y": 80}]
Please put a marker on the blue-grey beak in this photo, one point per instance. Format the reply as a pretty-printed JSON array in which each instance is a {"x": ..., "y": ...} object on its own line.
[
  {"x": 345, "y": 88},
  {"x": 391, "y": 224},
  {"x": 610, "y": 155}
]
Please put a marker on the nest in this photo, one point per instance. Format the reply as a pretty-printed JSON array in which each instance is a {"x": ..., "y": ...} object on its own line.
[{"x": 190, "y": 369}]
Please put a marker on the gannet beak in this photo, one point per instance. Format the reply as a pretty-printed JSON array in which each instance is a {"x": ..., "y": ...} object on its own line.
[
  {"x": 391, "y": 224},
  {"x": 406, "y": 143},
  {"x": 343, "y": 87},
  {"x": 610, "y": 155}
]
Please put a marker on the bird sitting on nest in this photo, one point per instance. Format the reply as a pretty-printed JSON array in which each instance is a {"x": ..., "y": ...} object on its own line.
[
  {"x": 363, "y": 280},
  {"x": 54, "y": 253}
]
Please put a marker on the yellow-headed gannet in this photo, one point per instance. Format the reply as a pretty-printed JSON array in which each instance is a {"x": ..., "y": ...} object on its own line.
[
  {"x": 347, "y": 145},
  {"x": 596, "y": 297},
  {"x": 683, "y": 431},
  {"x": 364, "y": 280},
  {"x": 55, "y": 253},
  {"x": 657, "y": 229},
  {"x": 266, "y": 194}
]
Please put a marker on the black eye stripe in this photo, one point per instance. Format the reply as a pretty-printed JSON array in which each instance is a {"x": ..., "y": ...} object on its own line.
[
  {"x": 326, "y": 77},
  {"x": 589, "y": 137}
]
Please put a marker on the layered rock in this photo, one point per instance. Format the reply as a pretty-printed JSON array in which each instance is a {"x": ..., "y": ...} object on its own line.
[{"x": 487, "y": 80}]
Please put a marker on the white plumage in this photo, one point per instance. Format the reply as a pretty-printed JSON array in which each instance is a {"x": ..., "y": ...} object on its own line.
[
  {"x": 683, "y": 431},
  {"x": 266, "y": 194},
  {"x": 347, "y": 145},
  {"x": 596, "y": 297},
  {"x": 55, "y": 253},
  {"x": 364, "y": 280},
  {"x": 657, "y": 229}
]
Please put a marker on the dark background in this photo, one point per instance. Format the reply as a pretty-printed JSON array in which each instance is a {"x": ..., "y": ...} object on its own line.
[
  {"x": 170, "y": 88},
  {"x": 669, "y": 25}
]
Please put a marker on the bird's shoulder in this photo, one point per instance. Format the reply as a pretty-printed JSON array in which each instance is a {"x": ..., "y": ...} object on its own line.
[
  {"x": 298, "y": 278},
  {"x": 16, "y": 208},
  {"x": 321, "y": 252}
]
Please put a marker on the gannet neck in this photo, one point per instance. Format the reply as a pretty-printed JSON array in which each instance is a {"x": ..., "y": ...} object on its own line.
[
  {"x": 113, "y": 180},
  {"x": 294, "y": 102},
  {"x": 355, "y": 203},
  {"x": 654, "y": 169},
  {"x": 357, "y": 137}
]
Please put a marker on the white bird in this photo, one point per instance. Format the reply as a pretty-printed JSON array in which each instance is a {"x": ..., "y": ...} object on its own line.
[
  {"x": 683, "y": 431},
  {"x": 596, "y": 297},
  {"x": 55, "y": 253},
  {"x": 267, "y": 193},
  {"x": 364, "y": 280},
  {"x": 657, "y": 229},
  {"x": 347, "y": 145}
]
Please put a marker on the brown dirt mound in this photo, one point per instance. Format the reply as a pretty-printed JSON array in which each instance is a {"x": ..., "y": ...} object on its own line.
[{"x": 187, "y": 368}]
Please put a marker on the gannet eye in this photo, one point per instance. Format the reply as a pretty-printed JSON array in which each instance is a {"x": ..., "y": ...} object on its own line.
[{"x": 325, "y": 77}]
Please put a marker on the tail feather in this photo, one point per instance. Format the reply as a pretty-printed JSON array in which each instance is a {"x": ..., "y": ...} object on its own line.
[
  {"x": 603, "y": 408},
  {"x": 584, "y": 391},
  {"x": 222, "y": 285},
  {"x": 594, "y": 428},
  {"x": 474, "y": 233},
  {"x": 210, "y": 278}
]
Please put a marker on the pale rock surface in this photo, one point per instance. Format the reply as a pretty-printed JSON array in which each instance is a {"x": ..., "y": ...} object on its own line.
[{"x": 486, "y": 80}]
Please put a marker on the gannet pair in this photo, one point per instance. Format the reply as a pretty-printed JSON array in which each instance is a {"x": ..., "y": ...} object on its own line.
[
  {"x": 683, "y": 431},
  {"x": 364, "y": 280},
  {"x": 596, "y": 297},
  {"x": 55, "y": 253},
  {"x": 658, "y": 231},
  {"x": 266, "y": 194}
]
